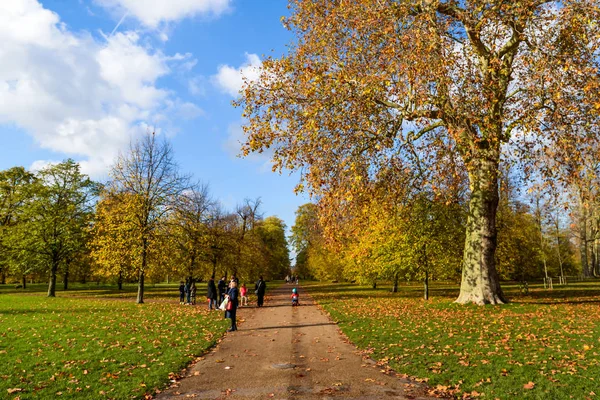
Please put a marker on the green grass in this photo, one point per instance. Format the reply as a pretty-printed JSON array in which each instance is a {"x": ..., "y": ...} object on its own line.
[
  {"x": 545, "y": 345},
  {"x": 84, "y": 344}
]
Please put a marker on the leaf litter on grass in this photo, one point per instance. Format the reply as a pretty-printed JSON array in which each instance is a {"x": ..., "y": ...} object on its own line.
[
  {"x": 535, "y": 347},
  {"x": 97, "y": 348}
]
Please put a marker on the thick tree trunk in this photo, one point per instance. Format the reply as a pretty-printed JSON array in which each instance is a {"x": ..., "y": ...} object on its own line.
[
  {"x": 374, "y": 284},
  {"x": 395, "y": 288},
  {"x": 3, "y": 277},
  {"x": 480, "y": 282},
  {"x": 24, "y": 282},
  {"x": 52, "y": 283}
]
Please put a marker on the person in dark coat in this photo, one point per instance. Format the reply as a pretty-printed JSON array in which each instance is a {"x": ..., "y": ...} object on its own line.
[
  {"x": 259, "y": 289},
  {"x": 211, "y": 294},
  {"x": 232, "y": 293},
  {"x": 186, "y": 289},
  {"x": 181, "y": 292},
  {"x": 222, "y": 289}
]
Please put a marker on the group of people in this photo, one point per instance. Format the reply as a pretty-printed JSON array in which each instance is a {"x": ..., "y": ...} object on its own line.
[
  {"x": 294, "y": 279},
  {"x": 230, "y": 297},
  {"x": 187, "y": 292}
]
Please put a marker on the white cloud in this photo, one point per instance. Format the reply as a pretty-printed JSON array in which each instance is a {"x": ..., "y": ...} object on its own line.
[
  {"x": 197, "y": 86},
  {"x": 152, "y": 13},
  {"x": 74, "y": 94},
  {"x": 230, "y": 79}
]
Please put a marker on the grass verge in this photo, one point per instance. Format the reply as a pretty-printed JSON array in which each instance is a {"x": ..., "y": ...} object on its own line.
[{"x": 89, "y": 348}]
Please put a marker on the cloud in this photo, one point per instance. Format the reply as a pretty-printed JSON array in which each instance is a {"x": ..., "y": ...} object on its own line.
[
  {"x": 152, "y": 13},
  {"x": 77, "y": 95},
  {"x": 197, "y": 86},
  {"x": 230, "y": 79}
]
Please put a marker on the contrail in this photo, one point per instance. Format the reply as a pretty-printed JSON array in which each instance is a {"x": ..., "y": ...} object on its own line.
[{"x": 119, "y": 23}]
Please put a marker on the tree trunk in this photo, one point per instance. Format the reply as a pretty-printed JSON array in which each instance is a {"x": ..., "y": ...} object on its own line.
[
  {"x": 214, "y": 268},
  {"x": 3, "y": 277},
  {"x": 52, "y": 283},
  {"x": 583, "y": 238},
  {"x": 24, "y": 281},
  {"x": 426, "y": 285},
  {"x": 140, "y": 294},
  {"x": 66, "y": 279},
  {"x": 560, "y": 262},
  {"x": 120, "y": 280},
  {"x": 395, "y": 288},
  {"x": 480, "y": 282},
  {"x": 374, "y": 284}
]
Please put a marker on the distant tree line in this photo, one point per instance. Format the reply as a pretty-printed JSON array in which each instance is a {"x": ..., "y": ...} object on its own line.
[
  {"x": 148, "y": 222},
  {"x": 419, "y": 234}
]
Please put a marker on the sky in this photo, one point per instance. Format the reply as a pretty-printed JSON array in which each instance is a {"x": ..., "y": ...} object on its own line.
[{"x": 81, "y": 79}]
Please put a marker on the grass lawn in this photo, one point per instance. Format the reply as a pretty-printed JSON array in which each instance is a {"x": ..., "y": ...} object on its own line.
[
  {"x": 544, "y": 345},
  {"x": 88, "y": 344}
]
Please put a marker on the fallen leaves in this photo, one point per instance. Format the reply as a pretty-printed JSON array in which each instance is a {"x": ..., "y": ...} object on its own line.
[
  {"x": 529, "y": 385},
  {"x": 495, "y": 350}
]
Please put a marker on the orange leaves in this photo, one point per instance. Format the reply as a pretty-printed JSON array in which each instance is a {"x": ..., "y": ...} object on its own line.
[{"x": 528, "y": 386}]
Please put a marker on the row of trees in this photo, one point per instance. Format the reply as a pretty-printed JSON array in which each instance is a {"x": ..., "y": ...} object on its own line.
[
  {"x": 148, "y": 221},
  {"x": 374, "y": 96},
  {"x": 421, "y": 235}
]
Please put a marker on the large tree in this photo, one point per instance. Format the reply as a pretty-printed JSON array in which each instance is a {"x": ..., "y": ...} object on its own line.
[
  {"x": 373, "y": 86},
  {"x": 58, "y": 216},
  {"x": 148, "y": 173}
]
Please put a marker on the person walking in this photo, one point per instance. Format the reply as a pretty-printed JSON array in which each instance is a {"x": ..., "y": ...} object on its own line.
[
  {"x": 181, "y": 292},
  {"x": 222, "y": 286},
  {"x": 187, "y": 290},
  {"x": 211, "y": 294},
  {"x": 193, "y": 293},
  {"x": 232, "y": 305},
  {"x": 259, "y": 289}
]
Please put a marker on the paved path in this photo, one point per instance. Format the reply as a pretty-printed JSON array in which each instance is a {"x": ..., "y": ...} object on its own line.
[{"x": 286, "y": 352}]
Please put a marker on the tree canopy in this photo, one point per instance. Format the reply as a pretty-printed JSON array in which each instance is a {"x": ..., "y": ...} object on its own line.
[{"x": 395, "y": 92}]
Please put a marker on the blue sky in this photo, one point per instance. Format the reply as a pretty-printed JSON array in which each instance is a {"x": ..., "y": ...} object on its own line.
[{"x": 81, "y": 78}]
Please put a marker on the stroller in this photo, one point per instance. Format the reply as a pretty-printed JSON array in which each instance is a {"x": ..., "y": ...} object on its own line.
[{"x": 294, "y": 297}]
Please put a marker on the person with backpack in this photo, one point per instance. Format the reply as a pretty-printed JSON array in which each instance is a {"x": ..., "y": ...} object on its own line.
[
  {"x": 193, "y": 293},
  {"x": 260, "y": 288},
  {"x": 181, "y": 292},
  {"x": 187, "y": 290}
]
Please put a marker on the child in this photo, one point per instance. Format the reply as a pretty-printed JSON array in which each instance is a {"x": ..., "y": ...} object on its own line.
[
  {"x": 294, "y": 297},
  {"x": 243, "y": 291}
]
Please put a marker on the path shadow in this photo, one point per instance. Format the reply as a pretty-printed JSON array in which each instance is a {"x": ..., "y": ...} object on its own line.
[{"x": 293, "y": 326}]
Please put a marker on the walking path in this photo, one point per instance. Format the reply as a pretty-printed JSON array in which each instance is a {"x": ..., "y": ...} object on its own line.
[{"x": 286, "y": 352}]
